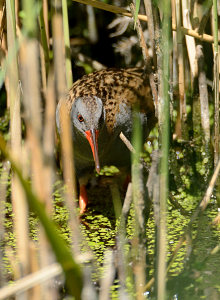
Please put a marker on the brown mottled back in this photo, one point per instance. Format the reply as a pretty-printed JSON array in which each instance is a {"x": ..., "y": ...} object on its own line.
[{"x": 114, "y": 86}]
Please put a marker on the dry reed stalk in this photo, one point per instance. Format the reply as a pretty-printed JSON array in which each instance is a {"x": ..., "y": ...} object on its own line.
[
  {"x": 181, "y": 71},
  {"x": 147, "y": 59},
  {"x": 190, "y": 41},
  {"x": 92, "y": 28},
  {"x": 4, "y": 181},
  {"x": 30, "y": 281},
  {"x": 203, "y": 94},
  {"x": 206, "y": 15},
  {"x": 89, "y": 291},
  {"x": 17, "y": 8},
  {"x": 109, "y": 275},
  {"x": 216, "y": 73},
  {"x": 49, "y": 140},
  {"x": 46, "y": 23},
  {"x": 42, "y": 185},
  {"x": 19, "y": 205},
  {"x": 68, "y": 65},
  {"x": 59, "y": 49},
  {"x": 43, "y": 70},
  {"x": 121, "y": 256},
  {"x": 121, "y": 263},
  {"x": 2, "y": 19},
  {"x": 44, "y": 47},
  {"x": 149, "y": 12},
  {"x": 3, "y": 63},
  {"x": 35, "y": 292},
  {"x": 69, "y": 177},
  {"x": 30, "y": 71}
]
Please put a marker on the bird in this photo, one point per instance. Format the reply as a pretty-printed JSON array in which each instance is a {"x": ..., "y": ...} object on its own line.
[{"x": 100, "y": 107}]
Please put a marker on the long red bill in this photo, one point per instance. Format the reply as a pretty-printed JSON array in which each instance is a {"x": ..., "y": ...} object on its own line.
[{"x": 92, "y": 137}]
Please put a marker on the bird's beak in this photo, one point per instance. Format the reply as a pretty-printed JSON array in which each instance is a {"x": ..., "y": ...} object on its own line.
[{"x": 92, "y": 137}]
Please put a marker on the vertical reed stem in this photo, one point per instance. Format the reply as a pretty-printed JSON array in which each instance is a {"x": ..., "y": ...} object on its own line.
[
  {"x": 18, "y": 200},
  {"x": 216, "y": 83},
  {"x": 139, "y": 243},
  {"x": 58, "y": 47},
  {"x": 216, "y": 96},
  {"x": 164, "y": 169},
  {"x": 69, "y": 76}
]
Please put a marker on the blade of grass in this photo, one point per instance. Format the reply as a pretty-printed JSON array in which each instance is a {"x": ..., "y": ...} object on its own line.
[{"x": 137, "y": 7}]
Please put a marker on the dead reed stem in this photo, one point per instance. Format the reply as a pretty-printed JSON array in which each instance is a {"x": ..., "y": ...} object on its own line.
[
  {"x": 190, "y": 41},
  {"x": 59, "y": 50},
  {"x": 46, "y": 23},
  {"x": 69, "y": 75},
  {"x": 206, "y": 14},
  {"x": 109, "y": 275},
  {"x": 203, "y": 94},
  {"x": 30, "y": 73},
  {"x": 49, "y": 140},
  {"x": 30, "y": 281},
  {"x": 150, "y": 20},
  {"x": 216, "y": 82},
  {"x": 4, "y": 181},
  {"x": 147, "y": 60},
  {"x": 181, "y": 77},
  {"x": 20, "y": 222},
  {"x": 121, "y": 255},
  {"x": 69, "y": 176}
]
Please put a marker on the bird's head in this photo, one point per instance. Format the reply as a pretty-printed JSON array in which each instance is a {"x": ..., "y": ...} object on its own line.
[{"x": 88, "y": 115}]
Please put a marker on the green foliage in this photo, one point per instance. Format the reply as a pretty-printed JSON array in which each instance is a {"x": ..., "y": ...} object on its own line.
[{"x": 137, "y": 7}]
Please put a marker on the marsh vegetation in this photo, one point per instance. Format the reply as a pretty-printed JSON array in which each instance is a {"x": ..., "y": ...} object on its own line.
[{"x": 156, "y": 238}]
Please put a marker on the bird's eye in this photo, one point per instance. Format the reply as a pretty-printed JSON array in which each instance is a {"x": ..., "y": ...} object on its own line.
[{"x": 80, "y": 118}]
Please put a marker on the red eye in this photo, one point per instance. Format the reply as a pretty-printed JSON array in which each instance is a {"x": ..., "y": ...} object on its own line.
[{"x": 80, "y": 118}]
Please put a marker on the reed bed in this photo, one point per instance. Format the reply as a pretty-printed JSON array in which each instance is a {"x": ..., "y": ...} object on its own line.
[{"x": 40, "y": 259}]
